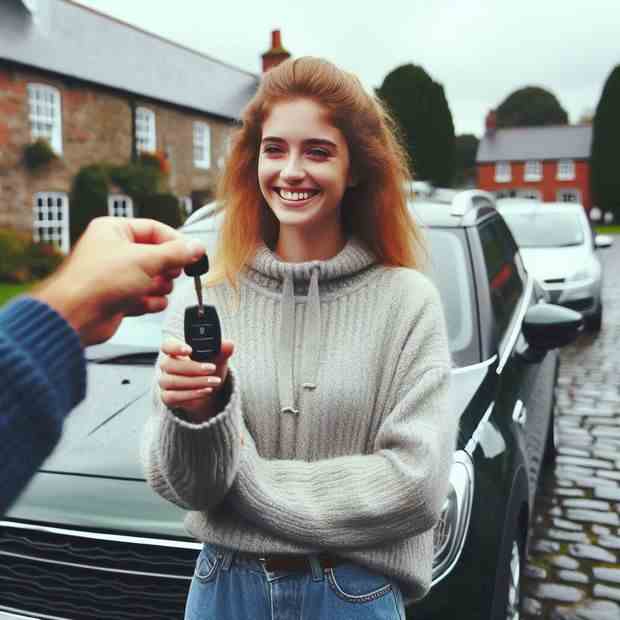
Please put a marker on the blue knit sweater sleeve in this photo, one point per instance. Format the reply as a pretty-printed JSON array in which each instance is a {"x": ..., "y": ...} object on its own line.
[{"x": 43, "y": 377}]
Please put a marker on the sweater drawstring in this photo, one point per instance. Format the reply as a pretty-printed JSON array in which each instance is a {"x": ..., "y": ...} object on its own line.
[
  {"x": 312, "y": 334},
  {"x": 286, "y": 349},
  {"x": 311, "y": 342}
]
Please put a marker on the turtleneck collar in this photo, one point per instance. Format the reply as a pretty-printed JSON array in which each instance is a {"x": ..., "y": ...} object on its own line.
[
  {"x": 267, "y": 268},
  {"x": 309, "y": 279}
]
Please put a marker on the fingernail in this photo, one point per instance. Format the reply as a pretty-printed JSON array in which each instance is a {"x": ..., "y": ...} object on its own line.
[
  {"x": 206, "y": 390},
  {"x": 215, "y": 380},
  {"x": 186, "y": 349},
  {"x": 195, "y": 247},
  {"x": 208, "y": 367}
]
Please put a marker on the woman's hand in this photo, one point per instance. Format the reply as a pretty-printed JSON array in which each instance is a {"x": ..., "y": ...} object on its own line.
[{"x": 192, "y": 386}]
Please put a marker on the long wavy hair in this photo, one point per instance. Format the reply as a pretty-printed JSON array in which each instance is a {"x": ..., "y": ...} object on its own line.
[{"x": 374, "y": 210}]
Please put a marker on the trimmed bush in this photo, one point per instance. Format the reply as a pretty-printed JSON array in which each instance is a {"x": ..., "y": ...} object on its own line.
[
  {"x": 136, "y": 180},
  {"x": 38, "y": 154},
  {"x": 163, "y": 208},
  {"x": 89, "y": 198},
  {"x": 23, "y": 260}
]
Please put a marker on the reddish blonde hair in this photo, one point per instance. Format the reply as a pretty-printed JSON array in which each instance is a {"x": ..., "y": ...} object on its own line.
[{"x": 375, "y": 210}]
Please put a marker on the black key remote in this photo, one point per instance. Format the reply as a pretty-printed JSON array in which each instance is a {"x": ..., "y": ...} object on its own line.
[{"x": 202, "y": 325}]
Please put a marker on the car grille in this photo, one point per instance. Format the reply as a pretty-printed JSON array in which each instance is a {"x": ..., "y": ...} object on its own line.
[
  {"x": 56, "y": 573},
  {"x": 580, "y": 304}
]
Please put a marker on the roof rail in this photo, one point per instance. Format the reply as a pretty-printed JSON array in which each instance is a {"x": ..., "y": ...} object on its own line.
[{"x": 468, "y": 199}]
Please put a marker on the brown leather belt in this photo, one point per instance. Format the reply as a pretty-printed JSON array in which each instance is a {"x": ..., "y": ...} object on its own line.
[{"x": 298, "y": 563}]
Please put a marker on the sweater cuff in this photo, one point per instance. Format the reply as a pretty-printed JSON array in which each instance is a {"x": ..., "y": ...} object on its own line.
[
  {"x": 220, "y": 432},
  {"x": 53, "y": 348}
]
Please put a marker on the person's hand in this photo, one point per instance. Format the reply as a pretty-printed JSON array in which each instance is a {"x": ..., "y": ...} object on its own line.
[
  {"x": 119, "y": 267},
  {"x": 192, "y": 386}
]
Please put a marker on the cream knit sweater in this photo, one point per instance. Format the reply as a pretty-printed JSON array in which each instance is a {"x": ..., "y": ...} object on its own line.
[{"x": 340, "y": 391}]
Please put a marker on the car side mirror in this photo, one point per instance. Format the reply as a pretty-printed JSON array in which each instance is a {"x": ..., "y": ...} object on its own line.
[
  {"x": 547, "y": 326},
  {"x": 603, "y": 241}
]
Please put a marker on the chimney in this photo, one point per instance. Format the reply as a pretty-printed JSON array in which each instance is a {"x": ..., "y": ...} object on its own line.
[
  {"x": 276, "y": 54},
  {"x": 490, "y": 123}
]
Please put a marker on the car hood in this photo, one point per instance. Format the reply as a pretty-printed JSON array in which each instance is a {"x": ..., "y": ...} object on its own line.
[
  {"x": 94, "y": 478},
  {"x": 552, "y": 263},
  {"x": 102, "y": 436}
]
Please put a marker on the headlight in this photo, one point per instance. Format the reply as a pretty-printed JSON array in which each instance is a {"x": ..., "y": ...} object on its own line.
[
  {"x": 451, "y": 530},
  {"x": 582, "y": 274}
]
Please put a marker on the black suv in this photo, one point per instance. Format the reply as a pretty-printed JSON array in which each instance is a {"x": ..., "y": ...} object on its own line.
[{"x": 89, "y": 539}]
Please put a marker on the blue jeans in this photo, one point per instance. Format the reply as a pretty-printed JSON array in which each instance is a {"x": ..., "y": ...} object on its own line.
[{"x": 230, "y": 587}]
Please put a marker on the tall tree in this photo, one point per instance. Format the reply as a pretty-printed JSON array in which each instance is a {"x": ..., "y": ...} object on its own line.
[
  {"x": 466, "y": 149},
  {"x": 531, "y": 107},
  {"x": 604, "y": 177},
  {"x": 420, "y": 107}
]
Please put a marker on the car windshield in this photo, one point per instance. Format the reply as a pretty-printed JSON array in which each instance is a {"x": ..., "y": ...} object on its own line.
[
  {"x": 539, "y": 229},
  {"x": 448, "y": 271}
]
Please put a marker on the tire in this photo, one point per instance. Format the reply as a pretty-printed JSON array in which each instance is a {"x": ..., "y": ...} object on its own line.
[
  {"x": 595, "y": 322},
  {"x": 551, "y": 444},
  {"x": 513, "y": 603}
]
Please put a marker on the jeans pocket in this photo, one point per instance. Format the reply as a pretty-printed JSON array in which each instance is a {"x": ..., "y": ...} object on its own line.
[
  {"x": 355, "y": 584},
  {"x": 207, "y": 565}
]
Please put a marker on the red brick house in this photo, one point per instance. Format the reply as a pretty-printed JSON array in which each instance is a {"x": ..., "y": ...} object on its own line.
[
  {"x": 100, "y": 90},
  {"x": 550, "y": 163}
]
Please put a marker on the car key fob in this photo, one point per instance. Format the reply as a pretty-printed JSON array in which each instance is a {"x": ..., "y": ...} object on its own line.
[
  {"x": 203, "y": 332},
  {"x": 202, "y": 325}
]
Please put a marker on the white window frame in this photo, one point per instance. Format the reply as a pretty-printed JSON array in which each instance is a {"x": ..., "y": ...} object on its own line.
[
  {"x": 566, "y": 170},
  {"x": 120, "y": 205},
  {"x": 45, "y": 115},
  {"x": 573, "y": 191},
  {"x": 146, "y": 130},
  {"x": 533, "y": 170},
  {"x": 503, "y": 172},
  {"x": 202, "y": 145},
  {"x": 50, "y": 219},
  {"x": 529, "y": 194},
  {"x": 186, "y": 204}
]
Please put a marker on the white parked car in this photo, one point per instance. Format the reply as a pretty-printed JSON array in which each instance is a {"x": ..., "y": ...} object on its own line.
[{"x": 558, "y": 247}]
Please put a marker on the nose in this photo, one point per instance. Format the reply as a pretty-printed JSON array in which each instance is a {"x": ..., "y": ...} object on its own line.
[{"x": 293, "y": 170}]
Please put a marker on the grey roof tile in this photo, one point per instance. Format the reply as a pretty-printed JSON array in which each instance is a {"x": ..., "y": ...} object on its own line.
[
  {"x": 523, "y": 143},
  {"x": 69, "y": 39}
]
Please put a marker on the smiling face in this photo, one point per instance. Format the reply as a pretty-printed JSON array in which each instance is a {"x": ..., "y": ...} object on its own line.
[{"x": 303, "y": 167}]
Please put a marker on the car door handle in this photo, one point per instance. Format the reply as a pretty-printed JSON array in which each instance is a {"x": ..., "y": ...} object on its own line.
[{"x": 519, "y": 413}]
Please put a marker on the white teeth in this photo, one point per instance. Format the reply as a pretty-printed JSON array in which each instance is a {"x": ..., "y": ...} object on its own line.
[{"x": 294, "y": 195}]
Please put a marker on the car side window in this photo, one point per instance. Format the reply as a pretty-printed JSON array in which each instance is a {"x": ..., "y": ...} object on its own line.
[{"x": 504, "y": 270}]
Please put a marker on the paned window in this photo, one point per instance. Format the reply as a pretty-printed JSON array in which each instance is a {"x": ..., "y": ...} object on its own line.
[
  {"x": 503, "y": 173},
  {"x": 569, "y": 195},
  {"x": 566, "y": 170},
  {"x": 202, "y": 145},
  {"x": 146, "y": 135},
  {"x": 51, "y": 219},
  {"x": 45, "y": 115},
  {"x": 533, "y": 170},
  {"x": 532, "y": 194},
  {"x": 120, "y": 205}
]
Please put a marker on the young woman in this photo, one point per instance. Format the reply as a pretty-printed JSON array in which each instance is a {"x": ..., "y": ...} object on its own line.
[{"x": 314, "y": 466}]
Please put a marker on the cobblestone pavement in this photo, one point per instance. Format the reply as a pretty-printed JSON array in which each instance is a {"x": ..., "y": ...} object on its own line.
[{"x": 573, "y": 569}]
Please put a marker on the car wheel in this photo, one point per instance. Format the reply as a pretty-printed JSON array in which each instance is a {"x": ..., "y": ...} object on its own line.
[
  {"x": 551, "y": 444},
  {"x": 595, "y": 322},
  {"x": 514, "y": 584}
]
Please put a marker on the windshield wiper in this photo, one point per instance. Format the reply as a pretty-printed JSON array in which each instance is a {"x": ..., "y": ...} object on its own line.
[{"x": 121, "y": 354}]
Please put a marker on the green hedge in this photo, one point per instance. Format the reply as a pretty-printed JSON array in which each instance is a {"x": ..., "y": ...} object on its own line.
[
  {"x": 89, "y": 198},
  {"x": 163, "y": 208},
  {"x": 23, "y": 260}
]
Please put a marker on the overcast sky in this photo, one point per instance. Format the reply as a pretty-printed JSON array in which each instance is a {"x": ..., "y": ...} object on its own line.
[{"x": 479, "y": 50}]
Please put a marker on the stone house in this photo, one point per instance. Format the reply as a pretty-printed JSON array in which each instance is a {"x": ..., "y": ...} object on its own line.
[{"x": 100, "y": 90}]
